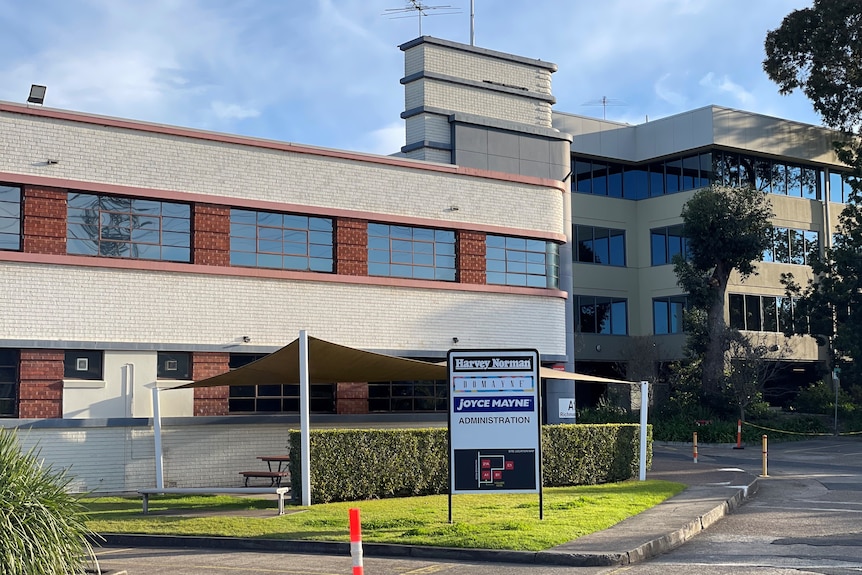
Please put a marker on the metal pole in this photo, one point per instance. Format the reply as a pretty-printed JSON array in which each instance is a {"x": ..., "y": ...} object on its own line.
[
  {"x": 304, "y": 448},
  {"x": 836, "y": 384},
  {"x": 157, "y": 435},
  {"x": 644, "y": 408},
  {"x": 472, "y": 22}
]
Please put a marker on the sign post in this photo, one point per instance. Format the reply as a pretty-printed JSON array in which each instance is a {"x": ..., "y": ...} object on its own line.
[{"x": 494, "y": 423}]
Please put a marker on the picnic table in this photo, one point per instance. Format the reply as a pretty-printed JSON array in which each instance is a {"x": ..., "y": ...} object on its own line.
[{"x": 274, "y": 475}]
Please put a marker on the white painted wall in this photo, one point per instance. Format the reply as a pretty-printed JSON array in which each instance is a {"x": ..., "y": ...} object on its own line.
[{"x": 124, "y": 391}]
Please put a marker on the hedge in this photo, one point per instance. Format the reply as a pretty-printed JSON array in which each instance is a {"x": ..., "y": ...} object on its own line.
[{"x": 357, "y": 464}]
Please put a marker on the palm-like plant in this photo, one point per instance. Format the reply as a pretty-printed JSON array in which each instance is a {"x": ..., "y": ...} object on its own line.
[{"x": 42, "y": 526}]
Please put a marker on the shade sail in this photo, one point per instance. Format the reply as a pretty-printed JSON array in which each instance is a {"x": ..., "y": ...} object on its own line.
[
  {"x": 327, "y": 363},
  {"x": 332, "y": 363},
  {"x": 548, "y": 373}
]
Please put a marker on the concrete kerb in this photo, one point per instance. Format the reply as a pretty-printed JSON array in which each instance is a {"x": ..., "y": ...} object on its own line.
[{"x": 625, "y": 543}]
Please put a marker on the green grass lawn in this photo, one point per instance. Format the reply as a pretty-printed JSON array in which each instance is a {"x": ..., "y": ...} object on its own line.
[{"x": 485, "y": 521}]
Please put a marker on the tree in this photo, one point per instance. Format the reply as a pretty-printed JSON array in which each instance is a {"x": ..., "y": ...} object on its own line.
[
  {"x": 829, "y": 307},
  {"x": 819, "y": 51},
  {"x": 727, "y": 229},
  {"x": 751, "y": 363}
]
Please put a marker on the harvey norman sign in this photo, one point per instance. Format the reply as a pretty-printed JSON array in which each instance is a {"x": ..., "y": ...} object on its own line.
[{"x": 494, "y": 421}]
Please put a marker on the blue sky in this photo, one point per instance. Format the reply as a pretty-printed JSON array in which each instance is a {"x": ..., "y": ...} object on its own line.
[{"x": 326, "y": 72}]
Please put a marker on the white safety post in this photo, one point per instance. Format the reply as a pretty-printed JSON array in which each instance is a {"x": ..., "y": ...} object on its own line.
[
  {"x": 304, "y": 442},
  {"x": 157, "y": 435},
  {"x": 644, "y": 407}
]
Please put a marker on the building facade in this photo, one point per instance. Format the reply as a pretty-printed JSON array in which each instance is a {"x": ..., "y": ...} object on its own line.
[
  {"x": 136, "y": 254},
  {"x": 629, "y": 184}
]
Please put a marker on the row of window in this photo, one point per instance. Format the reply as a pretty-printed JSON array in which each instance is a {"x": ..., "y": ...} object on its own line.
[
  {"x": 136, "y": 228},
  {"x": 89, "y": 364},
  {"x": 607, "y": 246},
  {"x": 691, "y": 172},
  {"x": 607, "y": 316},
  {"x": 387, "y": 396},
  {"x": 790, "y": 246},
  {"x": 761, "y": 313}
]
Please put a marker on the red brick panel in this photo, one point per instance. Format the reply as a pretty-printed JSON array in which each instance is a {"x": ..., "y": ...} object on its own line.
[
  {"x": 351, "y": 398},
  {"x": 211, "y": 238},
  {"x": 210, "y": 400},
  {"x": 44, "y": 223},
  {"x": 40, "y": 394},
  {"x": 351, "y": 247},
  {"x": 471, "y": 257}
]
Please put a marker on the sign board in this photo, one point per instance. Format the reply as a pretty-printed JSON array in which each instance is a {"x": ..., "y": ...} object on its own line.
[
  {"x": 567, "y": 408},
  {"x": 494, "y": 426}
]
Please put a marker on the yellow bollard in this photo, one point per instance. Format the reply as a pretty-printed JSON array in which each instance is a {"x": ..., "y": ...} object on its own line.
[
  {"x": 694, "y": 444},
  {"x": 764, "y": 474}
]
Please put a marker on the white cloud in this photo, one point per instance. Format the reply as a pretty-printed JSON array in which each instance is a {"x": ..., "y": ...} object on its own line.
[
  {"x": 386, "y": 140},
  {"x": 666, "y": 93},
  {"x": 225, "y": 111},
  {"x": 728, "y": 86},
  {"x": 325, "y": 72}
]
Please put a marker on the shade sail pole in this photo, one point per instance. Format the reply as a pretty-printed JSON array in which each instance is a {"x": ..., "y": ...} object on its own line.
[
  {"x": 157, "y": 437},
  {"x": 304, "y": 389},
  {"x": 644, "y": 407}
]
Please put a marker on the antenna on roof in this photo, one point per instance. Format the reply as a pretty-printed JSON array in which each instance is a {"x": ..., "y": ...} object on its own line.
[
  {"x": 420, "y": 9},
  {"x": 604, "y": 103}
]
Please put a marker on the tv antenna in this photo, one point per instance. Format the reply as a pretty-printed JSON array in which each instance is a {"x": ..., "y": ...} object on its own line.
[
  {"x": 604, "y": 102},
  {"x": 420, "y": 10}
]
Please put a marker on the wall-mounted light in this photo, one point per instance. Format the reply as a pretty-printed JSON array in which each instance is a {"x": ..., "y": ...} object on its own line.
[
  {"x": 246, "y": 339},
  {"x": 37, "y": 94},
  {"x": 454, "y": 340},
  {"x": 599, "y": 348},
  {"x": 52, "y": 161}
]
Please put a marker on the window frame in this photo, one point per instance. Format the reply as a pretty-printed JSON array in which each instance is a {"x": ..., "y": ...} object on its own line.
[
  {"x": 412, "y": 252},
  {"x": 84, "y": 364},
  {"x": 11, "y": 218},
  {"x": 521, "y": 262},
  {"x": 269, "y": 236},
  {"x": 130, "y": 221}
]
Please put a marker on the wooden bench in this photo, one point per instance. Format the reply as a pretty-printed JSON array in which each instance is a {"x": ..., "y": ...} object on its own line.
[
  {"x": 279, "y": 491},
  {"x": 273, "y": 476}
]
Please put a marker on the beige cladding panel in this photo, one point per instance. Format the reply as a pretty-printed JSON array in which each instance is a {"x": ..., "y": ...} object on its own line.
[
  {"x": 797, "y": 213},
  {"x": 768, "y": 135},
  {"x": 125, "y": 157},
  {"x": 93, "y": 304},
  {"x": 700, "y": 128}
]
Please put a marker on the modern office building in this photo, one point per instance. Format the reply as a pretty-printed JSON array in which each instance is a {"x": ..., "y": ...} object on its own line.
[
  {"x": 135, "y": 254},
  {"x": 629, "y": 184}
]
